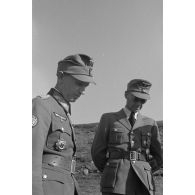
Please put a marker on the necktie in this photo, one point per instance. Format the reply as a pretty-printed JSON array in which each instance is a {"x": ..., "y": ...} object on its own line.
[{"x": 132, "y": 119}]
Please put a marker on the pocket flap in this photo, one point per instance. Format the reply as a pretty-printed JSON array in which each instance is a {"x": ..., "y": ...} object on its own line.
[
  {"x": 51, "y": 175},
  {"x": 147, "y": 166},
  {"x": 112, "y": 164},
  {"x": 59, "y": 123},
  {"x": 118, "y": 130},
  {"x": 146, "y": 133}
]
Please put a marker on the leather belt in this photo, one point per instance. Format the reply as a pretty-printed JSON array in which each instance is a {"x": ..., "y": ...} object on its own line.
[
  {"x": 58, "y": 161},
  {"x": 131, "y": 155}
]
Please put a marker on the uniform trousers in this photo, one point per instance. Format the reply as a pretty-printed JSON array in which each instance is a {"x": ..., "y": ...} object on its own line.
[{"x": 146, "y": 193}]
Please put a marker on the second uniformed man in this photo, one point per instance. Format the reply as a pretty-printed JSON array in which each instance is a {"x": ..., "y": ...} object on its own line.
[
  {"x": 126, "y": 146},
  {"x": 53, "y": 138}
]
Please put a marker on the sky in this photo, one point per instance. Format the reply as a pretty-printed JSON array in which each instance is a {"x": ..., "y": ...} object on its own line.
[{"x": 124, "y": 38}]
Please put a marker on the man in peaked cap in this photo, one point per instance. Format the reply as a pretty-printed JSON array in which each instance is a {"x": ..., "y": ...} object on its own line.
[
  {"x": 53, "y": 137},
  {"x": 126, "y": 146}
]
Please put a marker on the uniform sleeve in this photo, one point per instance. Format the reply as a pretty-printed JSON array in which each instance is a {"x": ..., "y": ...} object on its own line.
[
  {"x": 155, "y": 149},
  {"x": 99, "y": 145},
  {"x": 41, "y": 124}
]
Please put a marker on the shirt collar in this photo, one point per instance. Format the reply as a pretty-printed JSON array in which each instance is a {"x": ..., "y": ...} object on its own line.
[{"x": 128, "y": 112}]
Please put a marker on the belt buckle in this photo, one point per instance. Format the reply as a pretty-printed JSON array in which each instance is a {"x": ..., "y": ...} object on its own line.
[
  {"x": 73, "y": 166},
  {"x": 133, "y": 156}
]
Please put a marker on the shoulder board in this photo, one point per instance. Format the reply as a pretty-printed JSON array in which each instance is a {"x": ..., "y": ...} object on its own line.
[
  {"x": 148, "y": 120},
  {"x": 44, "y": 97}
]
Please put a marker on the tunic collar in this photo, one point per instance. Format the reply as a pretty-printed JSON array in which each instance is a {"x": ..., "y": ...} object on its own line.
[{"x": 59, "y": 97}]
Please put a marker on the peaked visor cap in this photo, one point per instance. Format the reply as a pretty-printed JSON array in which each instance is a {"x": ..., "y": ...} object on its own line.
[
  {"x": 80, "y": 66},
  {"x": 139, "y": 88}
]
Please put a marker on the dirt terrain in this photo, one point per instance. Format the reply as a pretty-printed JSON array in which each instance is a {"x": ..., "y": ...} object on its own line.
[{"x": 86, "y": 173}]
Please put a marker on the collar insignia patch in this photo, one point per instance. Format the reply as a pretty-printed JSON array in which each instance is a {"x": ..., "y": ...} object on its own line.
[{"x": 34, "y": 120}]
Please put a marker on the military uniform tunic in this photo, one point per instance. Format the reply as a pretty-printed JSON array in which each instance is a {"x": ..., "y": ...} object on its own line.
[
  {"x": 53, "y": 147},
  {"x": 114, "y": 143}
]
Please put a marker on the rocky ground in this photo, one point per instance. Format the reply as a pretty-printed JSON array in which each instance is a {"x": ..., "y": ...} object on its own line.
[{"x": 86, "y": 173}]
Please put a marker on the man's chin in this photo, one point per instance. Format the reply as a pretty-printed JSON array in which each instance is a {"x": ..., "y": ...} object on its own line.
[
  {"x": 136, "y": 110},
  {"x": 73, "y": 100}
]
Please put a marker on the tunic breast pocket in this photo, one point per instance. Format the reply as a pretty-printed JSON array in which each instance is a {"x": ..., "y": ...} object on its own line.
[
  {"x": 118, "y": 136},
  {"x": 146, "y": 139},
  {"x": 60, "y": 136},
  {"x": 62, "y": 127}
]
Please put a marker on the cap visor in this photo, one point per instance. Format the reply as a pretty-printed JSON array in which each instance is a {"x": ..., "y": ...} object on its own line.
[
  {"x": 84, "y": 78},
  {"x": 141, "y": 95}
]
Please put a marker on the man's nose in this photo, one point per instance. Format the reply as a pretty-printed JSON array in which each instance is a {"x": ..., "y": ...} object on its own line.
[{"x": 82, "y": 90}]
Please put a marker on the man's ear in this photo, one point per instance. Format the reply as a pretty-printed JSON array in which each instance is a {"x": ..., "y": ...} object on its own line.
[
  {"x": 125, "y": 94},
  {"x": 60, "y": 75}
]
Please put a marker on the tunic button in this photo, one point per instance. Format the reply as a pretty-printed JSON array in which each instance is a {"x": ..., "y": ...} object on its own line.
[
  {"x": 62, "y": 128},
  {"x": 147, "y": 151},
  {"x": 44, "y": 176},
  {"x": 132, "y": 143}
]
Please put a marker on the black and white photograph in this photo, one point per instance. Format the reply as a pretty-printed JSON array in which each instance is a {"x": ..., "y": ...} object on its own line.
[
  {"x": 109, "y": 85},
  {"x": 97, "y": 97}
]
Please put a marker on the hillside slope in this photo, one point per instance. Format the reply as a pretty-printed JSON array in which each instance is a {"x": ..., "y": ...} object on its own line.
[{"x": 86, "y": 173}]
